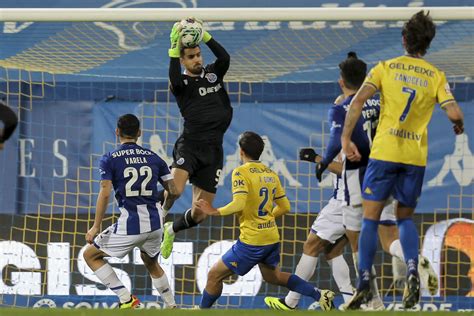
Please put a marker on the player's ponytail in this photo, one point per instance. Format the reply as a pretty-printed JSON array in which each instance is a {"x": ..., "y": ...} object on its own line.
[
  {"x": 353, "y": 71},
  {"x": 351, "y": 55}
]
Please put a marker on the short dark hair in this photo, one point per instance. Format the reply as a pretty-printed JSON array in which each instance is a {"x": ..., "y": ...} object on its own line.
[
  {"x": 252, "y": 144},
  {"x": 128, "y": 126},
  {"x": 182, "y": 49},
  {"x": 418, "y": 33},
  {"x": 353, "y": 71}
]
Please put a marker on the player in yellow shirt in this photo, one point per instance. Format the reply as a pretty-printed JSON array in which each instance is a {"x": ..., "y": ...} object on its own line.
[
  {"x": 409, "y": 87},
  {"x": 255, "y": 188}
]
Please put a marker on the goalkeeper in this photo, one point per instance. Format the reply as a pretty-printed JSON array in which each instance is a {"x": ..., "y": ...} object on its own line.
[{"x": 198, "y": 154}]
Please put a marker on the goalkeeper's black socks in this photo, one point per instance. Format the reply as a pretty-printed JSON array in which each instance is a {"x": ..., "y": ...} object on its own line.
[{"x": 185, "y": 221}]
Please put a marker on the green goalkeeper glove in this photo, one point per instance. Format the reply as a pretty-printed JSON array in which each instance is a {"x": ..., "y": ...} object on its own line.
[
  {"x": 206, "y": 37},
  {"x": 175, "y": 36}
]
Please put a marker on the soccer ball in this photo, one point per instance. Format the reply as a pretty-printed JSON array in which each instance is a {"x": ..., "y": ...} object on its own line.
[{"x": 191, "y": 32}]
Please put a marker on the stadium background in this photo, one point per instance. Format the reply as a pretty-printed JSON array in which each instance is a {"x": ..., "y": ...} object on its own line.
[{"x": 69, "y": 83}]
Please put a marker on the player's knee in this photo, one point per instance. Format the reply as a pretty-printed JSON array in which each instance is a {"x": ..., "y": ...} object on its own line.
[
  {"x": 386, "y": 246},
  {"x": 313, "y": 246},
  {"x": 147, "y": 261},
  {"x": 213, "y": 277},
  {"x": 91, "y": 254}
]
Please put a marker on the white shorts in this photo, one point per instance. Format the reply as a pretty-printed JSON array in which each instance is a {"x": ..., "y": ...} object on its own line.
[
  {"x": 353, "y": 181},
  {"x": 352, "y": 216},
  {"x": 328, "y": 225},
  {"x": 119, "y": 245}
]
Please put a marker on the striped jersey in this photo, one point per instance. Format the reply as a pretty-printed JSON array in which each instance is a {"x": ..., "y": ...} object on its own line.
[{"x": 135, "y": 173}]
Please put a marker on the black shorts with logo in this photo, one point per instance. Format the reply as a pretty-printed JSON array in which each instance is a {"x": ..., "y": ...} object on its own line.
[{"x": 203, "y": 161}]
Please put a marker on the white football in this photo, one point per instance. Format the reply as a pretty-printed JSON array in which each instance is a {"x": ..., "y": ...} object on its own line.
[{"x": 191, "y": 32}]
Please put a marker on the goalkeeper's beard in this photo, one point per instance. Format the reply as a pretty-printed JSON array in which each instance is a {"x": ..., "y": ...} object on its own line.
[{"x": 196, "y": 69}]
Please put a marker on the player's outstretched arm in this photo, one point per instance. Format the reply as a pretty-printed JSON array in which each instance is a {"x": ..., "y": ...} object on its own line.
[
  {"x": 10, "y": 121},
  {"x": 352, "y": 116},
  {"x": 237, "y": 205},
  {"x": 171, "y": 197},
  {"x": 455, "y": 115},
  {"x": 308, "y": 154},
  {"x": 101, "y": 207},
  {"x": 174, "y": 71},
  {"x": 282, "y": 206},
  {"x": 221, "y": 65}
]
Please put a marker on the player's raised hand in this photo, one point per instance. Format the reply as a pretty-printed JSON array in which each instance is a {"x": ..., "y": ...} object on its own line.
[
  {"x": 206, "y": 208},
  {"x": 206, "y": 35},
  {"x": 350, "y": 150},
  {"x": 91, "y": 234},
  {"x": 308, "y": 154},
  {"x": 174, "y": 40}
]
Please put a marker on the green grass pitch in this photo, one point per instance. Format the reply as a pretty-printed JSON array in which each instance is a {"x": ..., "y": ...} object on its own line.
[{"x": 212, "y": 312}]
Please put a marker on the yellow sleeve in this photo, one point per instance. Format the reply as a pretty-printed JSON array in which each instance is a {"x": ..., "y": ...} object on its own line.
[
  {"x": 374, "y": 77},
  {"x": 443, "y": 95},
  {"x": 237, "y": 205},
  {"x": 239, "y": 194},
  {"x": 282, "y": 203}
]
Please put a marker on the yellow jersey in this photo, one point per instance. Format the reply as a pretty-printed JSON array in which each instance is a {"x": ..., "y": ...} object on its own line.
[
  {"x": 409, "y": 89},
  {"x": 262, "y": 187}
]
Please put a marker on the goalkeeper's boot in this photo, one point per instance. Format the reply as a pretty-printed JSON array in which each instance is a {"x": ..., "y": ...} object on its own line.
[
  {"x": 168, "y": 239},
  {"x": 133, "y": 303},
  {"x": 428, "y": 276},
  {"x": 326, "y": 301},
  {"x": 277, "y": 303},
  {"x": 411, "y": 295}
]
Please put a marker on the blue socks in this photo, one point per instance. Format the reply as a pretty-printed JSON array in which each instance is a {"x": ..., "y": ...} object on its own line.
[
  {"x": 207, "y": 300},
  {"x": 297, "y": 284},
  {"x": 409, "y": 241},
  {"x": 367, "y": 248}
]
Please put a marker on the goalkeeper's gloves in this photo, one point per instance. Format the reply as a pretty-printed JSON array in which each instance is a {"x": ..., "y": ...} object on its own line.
[
  {"x": 308, "y": 154},
  {"x": 206, "y": 37},
  {"x": 320, "y": 167},
  {"x": 175, "y": 36}
]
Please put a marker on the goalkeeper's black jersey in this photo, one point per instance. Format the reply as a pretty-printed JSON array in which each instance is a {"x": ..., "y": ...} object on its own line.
[{"x": 203, "y": 100}]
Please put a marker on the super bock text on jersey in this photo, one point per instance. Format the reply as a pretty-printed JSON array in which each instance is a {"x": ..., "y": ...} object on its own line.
[{"x": 135, "y": 172}]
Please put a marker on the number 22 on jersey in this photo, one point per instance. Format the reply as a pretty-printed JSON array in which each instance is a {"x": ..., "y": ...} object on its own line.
[
  {"x": 133, "y": 172},
  {"x": 264, "y": 194}
]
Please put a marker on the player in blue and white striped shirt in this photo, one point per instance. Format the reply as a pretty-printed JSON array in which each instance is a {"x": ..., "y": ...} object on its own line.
[{"x": 134, "y": 173}]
